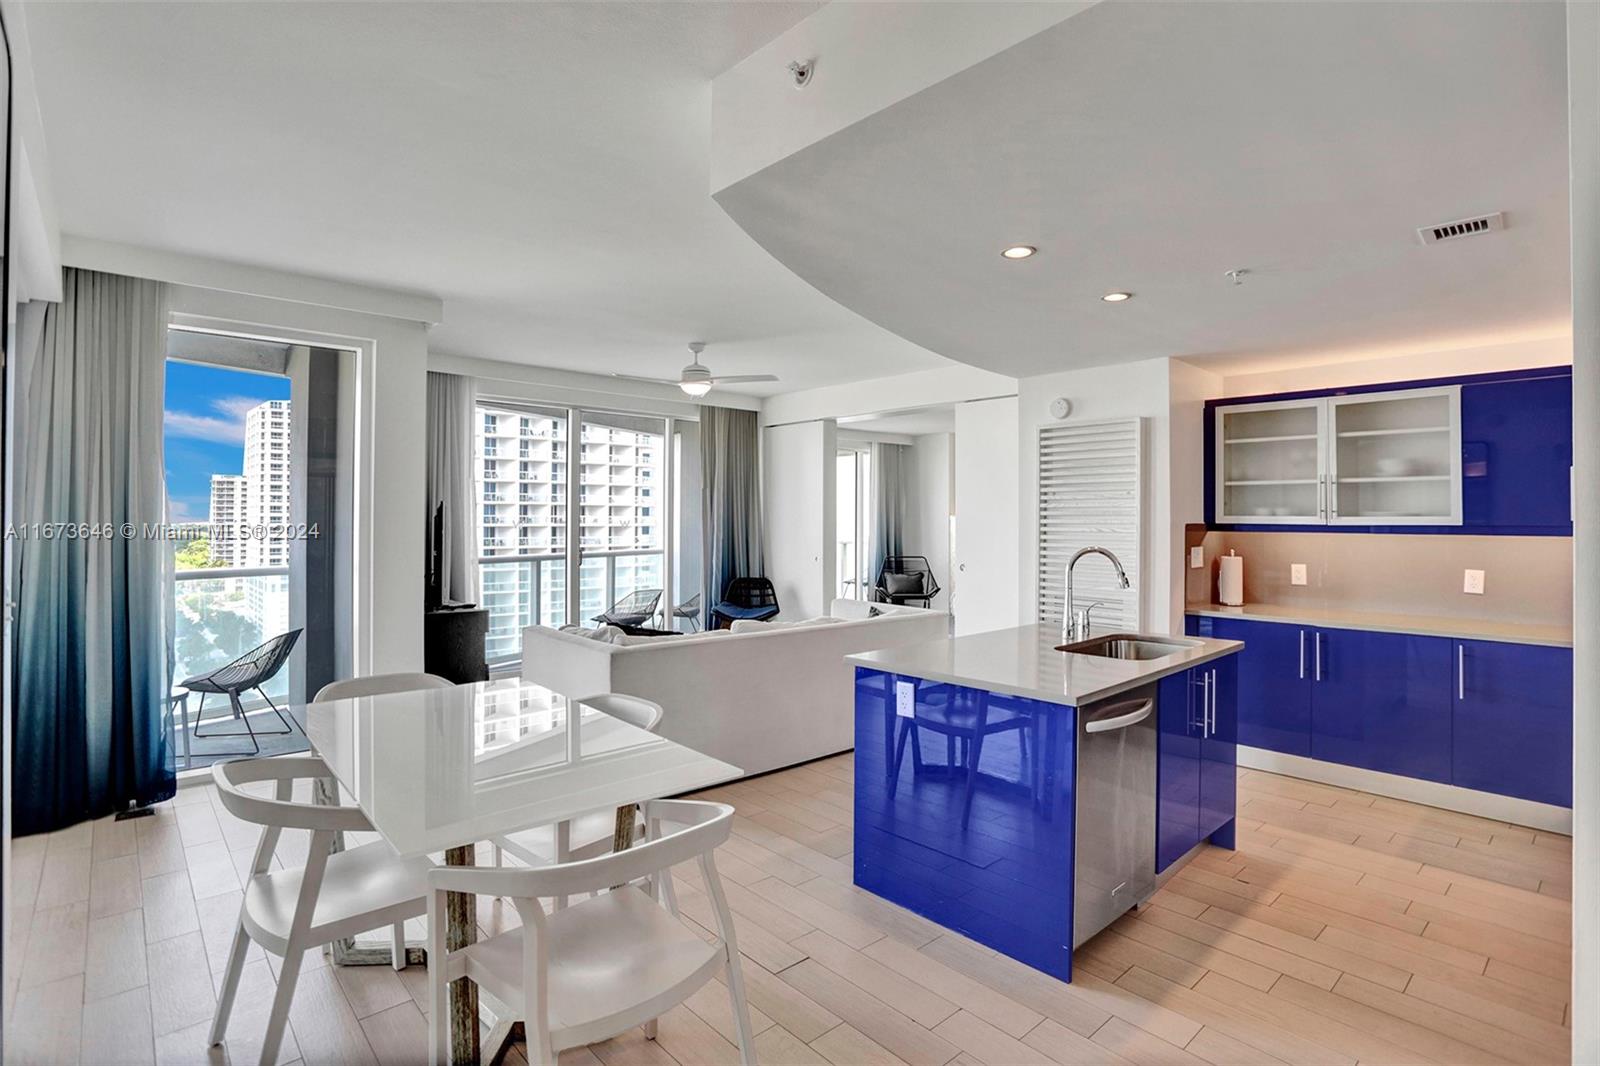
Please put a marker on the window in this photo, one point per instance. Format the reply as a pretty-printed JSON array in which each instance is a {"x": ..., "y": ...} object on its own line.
[{"x": 530, "y": 579}]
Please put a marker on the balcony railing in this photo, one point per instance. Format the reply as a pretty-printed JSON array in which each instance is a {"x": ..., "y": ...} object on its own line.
[
  {"x": 530, "y": 589},
  {"x": 219, "y": 614}
]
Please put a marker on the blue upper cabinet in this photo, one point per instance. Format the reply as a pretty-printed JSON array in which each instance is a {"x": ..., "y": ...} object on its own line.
[
  {"x": 1381, "y": 701},
  {"x": 1513, "y": 720},
  {"x": 1489, "y": 453},
  {"x": 1516, "y": 448}
]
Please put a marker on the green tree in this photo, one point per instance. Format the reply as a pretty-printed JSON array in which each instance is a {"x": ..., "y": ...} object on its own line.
[{"x": 196, "y": 555}]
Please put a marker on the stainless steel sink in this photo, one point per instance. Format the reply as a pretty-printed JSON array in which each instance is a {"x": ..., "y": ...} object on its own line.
[{"x": 1127, "y": 646}]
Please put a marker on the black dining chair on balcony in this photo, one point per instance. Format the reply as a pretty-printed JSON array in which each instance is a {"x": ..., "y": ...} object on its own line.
[
  {"x": 634, "y": 609},
  {"x": 746, "y": 597},
  {"x": 249, "y": 671},
  {"x": 906, "y": 579}
]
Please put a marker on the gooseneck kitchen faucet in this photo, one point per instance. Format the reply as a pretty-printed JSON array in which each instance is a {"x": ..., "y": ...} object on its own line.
[{"x": 1075, "y": 626}]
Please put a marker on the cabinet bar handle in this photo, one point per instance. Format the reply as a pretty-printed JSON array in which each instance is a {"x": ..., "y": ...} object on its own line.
[
  {"x": 1302, "y": 655},
  {"x": 1213, "y": 703},
  {"x": 1318, "y": 637},
  {"x": 1461, "y": 671}
]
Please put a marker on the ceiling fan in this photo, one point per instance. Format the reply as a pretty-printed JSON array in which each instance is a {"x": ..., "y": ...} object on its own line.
[{"x": 697, "y": 380}]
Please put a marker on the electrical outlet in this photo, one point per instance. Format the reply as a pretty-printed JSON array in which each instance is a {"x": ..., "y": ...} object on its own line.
[
  {"x": 1297, "y": 573},
  {"x": 1473, "y": 582},
  {"x": 1197, "y": 558}
]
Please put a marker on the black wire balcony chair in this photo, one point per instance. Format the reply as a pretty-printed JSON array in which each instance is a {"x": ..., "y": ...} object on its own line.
[
  {"x": 746, "y": 597},
  {"x": 634, "y": 609},
  {"x": 249, "y": 671}
]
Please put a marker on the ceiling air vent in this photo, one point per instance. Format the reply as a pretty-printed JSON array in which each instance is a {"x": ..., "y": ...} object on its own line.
[{"x": 1461, "y": 227}]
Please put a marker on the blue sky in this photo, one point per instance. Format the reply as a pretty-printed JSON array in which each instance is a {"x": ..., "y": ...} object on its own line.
[{"x": 204, "y": 429}]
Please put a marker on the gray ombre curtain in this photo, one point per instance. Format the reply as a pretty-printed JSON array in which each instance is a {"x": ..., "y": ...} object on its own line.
[
  {"x": 730, "y": 500},
  {"x": 888, "y": 503},
  {"x": 94, "y": 614},
  {"x": 452, "y": 406}
]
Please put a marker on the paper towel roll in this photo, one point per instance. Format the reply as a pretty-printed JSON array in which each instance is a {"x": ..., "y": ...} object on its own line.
[{"x": 1230, "y": 580}]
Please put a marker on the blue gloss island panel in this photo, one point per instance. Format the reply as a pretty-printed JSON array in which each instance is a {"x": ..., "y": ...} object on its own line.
[{"x": 964, "y": 812}]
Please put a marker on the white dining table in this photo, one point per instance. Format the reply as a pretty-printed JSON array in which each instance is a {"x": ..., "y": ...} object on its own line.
[{"x": 442, "y": 769}]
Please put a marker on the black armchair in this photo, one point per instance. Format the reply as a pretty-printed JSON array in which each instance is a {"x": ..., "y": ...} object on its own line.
[
  {"x": 250, "y": 671},
  {"x": 746, "y": 597},
  {"x": 906, "y": 579}
]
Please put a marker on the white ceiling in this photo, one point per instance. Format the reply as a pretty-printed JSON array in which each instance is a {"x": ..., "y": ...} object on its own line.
[
  {"x": 1154, "y": 146},
  {"x": 541, "y": 167},
  {"x": 912, "y": 423}
]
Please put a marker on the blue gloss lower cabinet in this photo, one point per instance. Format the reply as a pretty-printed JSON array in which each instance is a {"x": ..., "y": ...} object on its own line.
[
  {"x": 1274, "y": 682},
  {"x": 1177, "y": 768},
  {"x": 1381, "y": 701},
  {"x": 1196, "y": 767},
  {"x": 1513, "y": 720},
  {"x": 1219, "y": 753}
]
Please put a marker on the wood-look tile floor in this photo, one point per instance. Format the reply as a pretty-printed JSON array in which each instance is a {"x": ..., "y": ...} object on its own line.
[{"x": 1347, "y": 928}]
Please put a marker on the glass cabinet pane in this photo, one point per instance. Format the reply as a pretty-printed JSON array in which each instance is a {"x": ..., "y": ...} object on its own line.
[
  {"x": 1396, "y": 458},
  {"x": 1269, "y": 462}
]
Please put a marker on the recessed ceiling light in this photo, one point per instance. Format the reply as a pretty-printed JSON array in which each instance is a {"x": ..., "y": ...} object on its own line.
[
  {"x": 1116, "y": 297},
  {"x": 1019, "y": 251}
]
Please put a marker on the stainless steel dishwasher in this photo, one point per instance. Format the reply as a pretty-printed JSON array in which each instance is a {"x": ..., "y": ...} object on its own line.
[{"x": 1114, "y": 859}]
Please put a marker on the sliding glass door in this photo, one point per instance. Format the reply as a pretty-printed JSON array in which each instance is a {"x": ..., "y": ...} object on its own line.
[
  {"x": 852, "y": 520},
  {"x": 580, "y": 518}
]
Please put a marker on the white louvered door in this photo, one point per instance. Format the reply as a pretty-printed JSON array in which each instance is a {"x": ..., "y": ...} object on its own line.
[{"x": 1090, "y": 493}]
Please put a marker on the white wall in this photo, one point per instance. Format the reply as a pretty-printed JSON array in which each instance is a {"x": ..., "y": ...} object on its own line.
[
  {"x": 1188, "y": 390},
  {"x": 798, "y": 497},
  {"x": 1099, "y": 394},
  {"x": 1410, "y": 366},
  {"x": 1583, "y": 63},
  {"x": 927, "y": 529},
  {"x": 986, "y": 509}
]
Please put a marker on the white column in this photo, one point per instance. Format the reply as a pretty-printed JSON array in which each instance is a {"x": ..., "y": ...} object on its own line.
[{"x": 1583, "y": 89}]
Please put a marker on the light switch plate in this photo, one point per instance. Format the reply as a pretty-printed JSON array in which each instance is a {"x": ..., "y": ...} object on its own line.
[
  {"x": 1197, "y": 558},
  {"x": 1297, "y": 573},
  {"x": 1473, "y": 582}
]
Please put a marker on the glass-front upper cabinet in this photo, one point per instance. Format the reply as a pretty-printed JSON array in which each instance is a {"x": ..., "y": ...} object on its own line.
[
  {"x": 1368, "y": 459},
  {"x": 1271, "y": 462},
  {"x": 1394, "y": 458}
]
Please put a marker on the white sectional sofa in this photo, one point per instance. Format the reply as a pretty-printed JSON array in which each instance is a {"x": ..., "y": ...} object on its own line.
[{"x": 763, "y": 697}]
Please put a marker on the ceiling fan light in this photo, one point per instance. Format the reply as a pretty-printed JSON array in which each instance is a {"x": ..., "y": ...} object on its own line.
[{"x": 695, "y": 388}]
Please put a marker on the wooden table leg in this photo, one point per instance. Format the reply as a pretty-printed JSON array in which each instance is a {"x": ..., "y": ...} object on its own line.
[{"x": 461, "y": 929}]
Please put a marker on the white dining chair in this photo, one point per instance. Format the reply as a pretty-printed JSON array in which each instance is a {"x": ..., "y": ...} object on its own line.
[
  {"x": 292, "y": 911},
  {"x": 600, "y": 967},
  {"x": 379, "y": 685},
  {"x": 593, "y": 831},
  {"x": 351, "y": 688}
]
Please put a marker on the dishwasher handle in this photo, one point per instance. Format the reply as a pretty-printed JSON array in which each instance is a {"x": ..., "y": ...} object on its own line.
[{"x": 1139, "y": 712}]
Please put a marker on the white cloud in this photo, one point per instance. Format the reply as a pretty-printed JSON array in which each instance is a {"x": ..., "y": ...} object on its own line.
[{"x": 226, "y": 427}]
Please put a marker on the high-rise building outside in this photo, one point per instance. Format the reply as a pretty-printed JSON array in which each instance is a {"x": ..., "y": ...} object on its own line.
[
  {"x": 266, "y": 476},
  {"x": 227, "y": 511}
]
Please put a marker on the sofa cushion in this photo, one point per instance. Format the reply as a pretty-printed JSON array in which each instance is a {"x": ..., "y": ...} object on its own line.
[{"x": 750, "y": 625}]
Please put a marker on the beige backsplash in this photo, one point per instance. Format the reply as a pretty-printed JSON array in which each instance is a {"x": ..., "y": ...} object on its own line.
[{"x": 1527, "y": 579}]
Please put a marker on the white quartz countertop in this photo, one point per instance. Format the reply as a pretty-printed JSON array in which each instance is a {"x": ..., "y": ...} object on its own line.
[
  {"x": 1425, "y": 625},
  {"x": 1024, "y": 662}
]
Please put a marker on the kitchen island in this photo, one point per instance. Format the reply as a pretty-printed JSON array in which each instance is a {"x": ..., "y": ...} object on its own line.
[{"x": 1024, "y": 796}]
